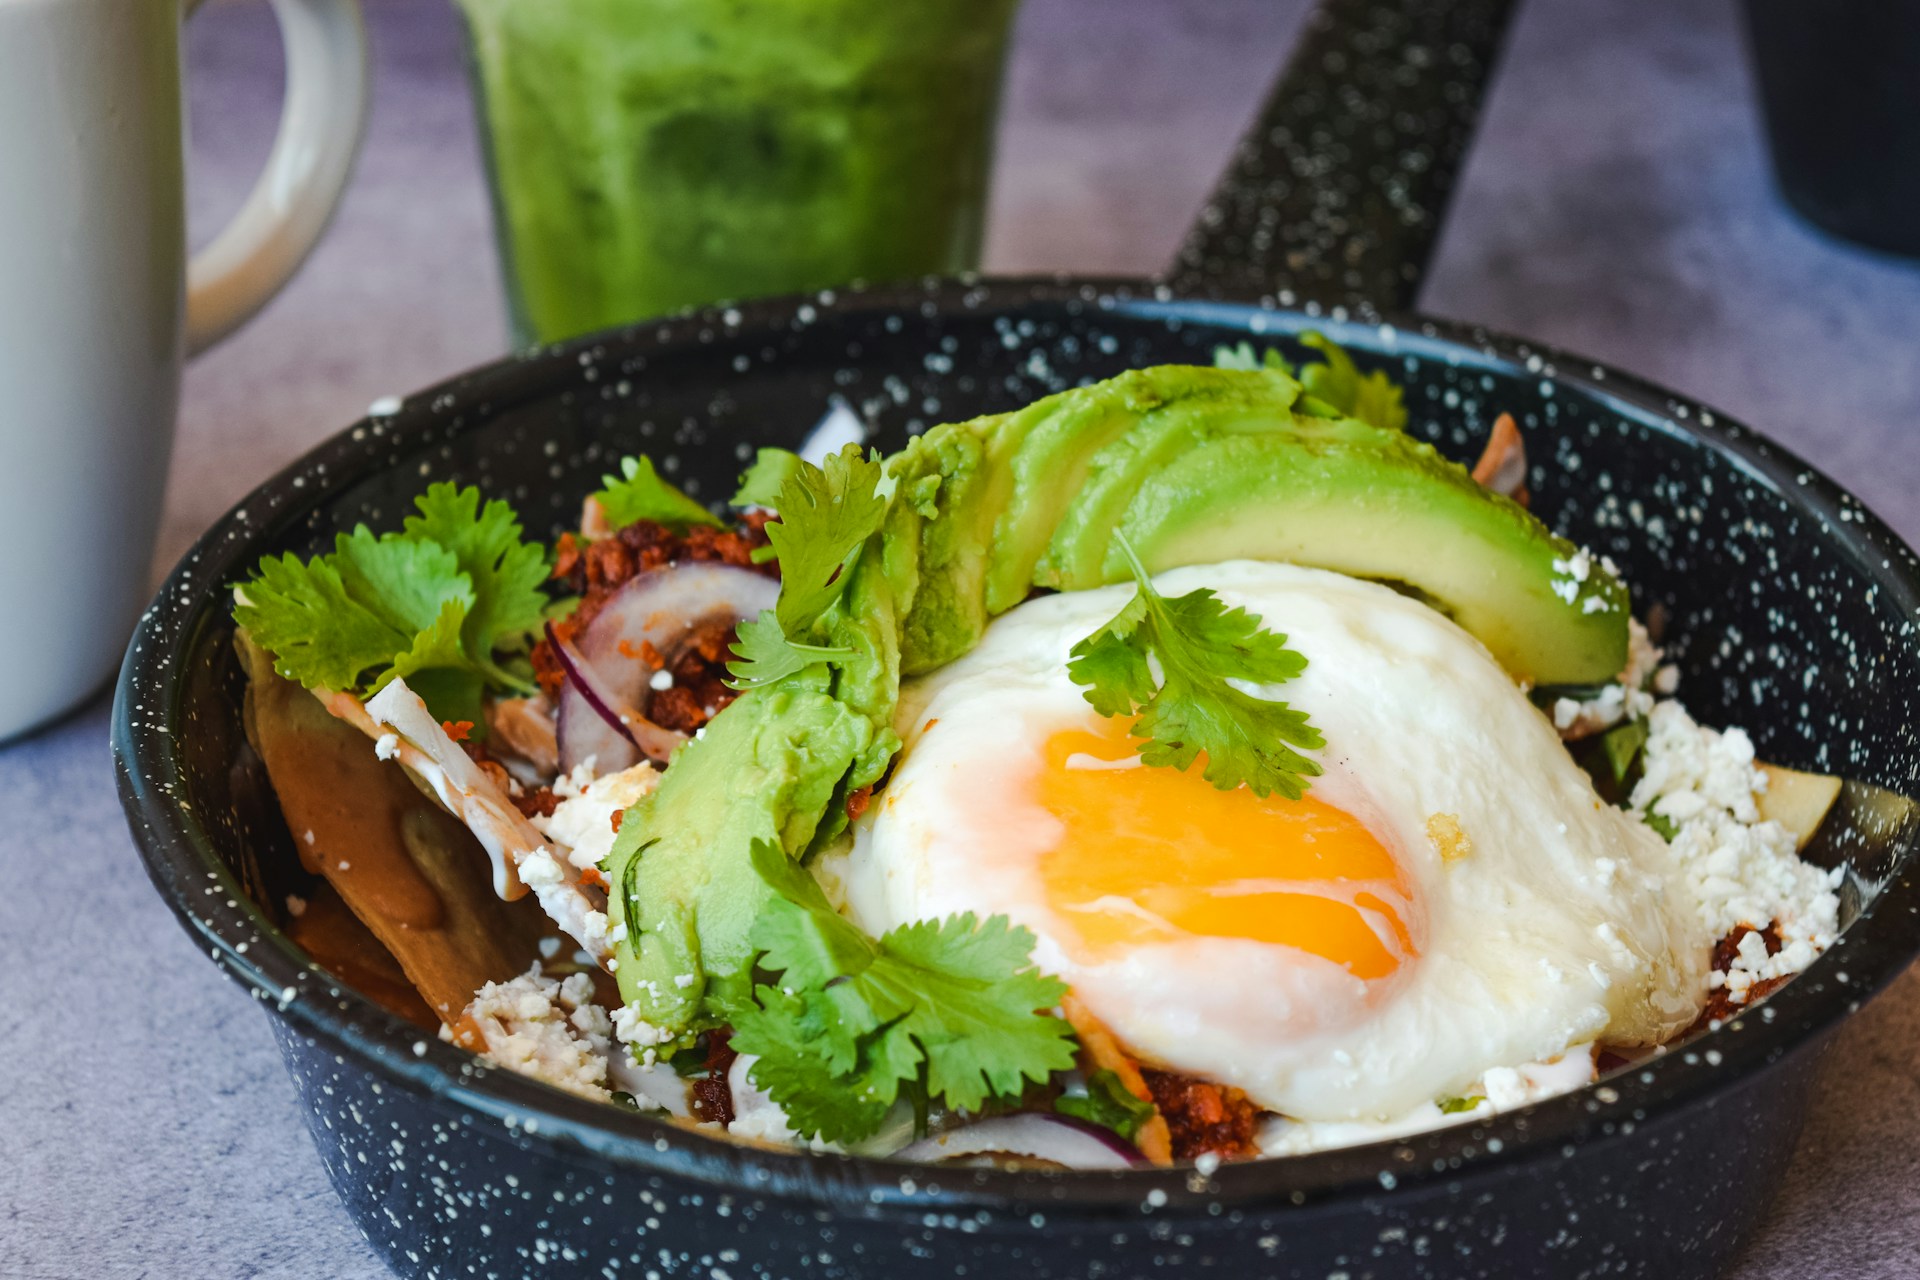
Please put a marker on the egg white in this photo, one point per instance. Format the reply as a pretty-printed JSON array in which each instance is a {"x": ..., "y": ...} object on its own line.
[{"x": 1556, "y": 930}]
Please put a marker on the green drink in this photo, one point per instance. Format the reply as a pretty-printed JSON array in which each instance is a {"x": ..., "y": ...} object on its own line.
[{"x": 648, "y": 155}]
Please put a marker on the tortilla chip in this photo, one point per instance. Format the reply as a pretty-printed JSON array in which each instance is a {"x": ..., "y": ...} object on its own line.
[
  {"x": 408, "y": 870},
  {"x": 329, "y": 932}
]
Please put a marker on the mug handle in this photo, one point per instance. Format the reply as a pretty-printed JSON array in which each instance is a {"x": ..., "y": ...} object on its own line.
[{"x": 321, "y": 120}]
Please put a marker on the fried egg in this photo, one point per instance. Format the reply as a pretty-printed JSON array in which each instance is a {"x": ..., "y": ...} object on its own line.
[{"x": 1449, "y": 896}]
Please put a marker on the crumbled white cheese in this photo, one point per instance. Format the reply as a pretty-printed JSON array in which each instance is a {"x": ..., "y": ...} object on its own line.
[
  {"x": 575, "y": 781},
  {"x": 583, "y": 820},
  {"x": 661, "y": 679},
  {"x": 1629, "y": 697},
  {"x": 296, "y": 905},
  {"x": 1580, "y": 718},
  {"x": 1506, "y": 1088},
  {"x": 386, "y": 746},
  {"x": 550, "y": 1030},
  {"x": 1740, "y": 870},
  {"x": 540, "y": 868},
  {"x": 635, "y": 1030},
  {"x": 1571, "y": 574},
  {"x": 595, "y": 925}
]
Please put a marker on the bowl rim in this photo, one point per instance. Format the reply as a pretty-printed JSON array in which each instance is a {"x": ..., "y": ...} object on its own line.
[{"x": 211, "y": 905}]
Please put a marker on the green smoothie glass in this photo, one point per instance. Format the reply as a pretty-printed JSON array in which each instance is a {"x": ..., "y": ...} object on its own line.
[{"x": 648, "y": 155}]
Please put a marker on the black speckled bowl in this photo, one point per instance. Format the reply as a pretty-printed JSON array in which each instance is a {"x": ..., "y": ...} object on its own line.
[{"x": 1792, "y": 613}]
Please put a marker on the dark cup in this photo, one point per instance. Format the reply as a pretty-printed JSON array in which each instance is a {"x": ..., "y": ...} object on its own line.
[{"x": 1840, "y": 94}]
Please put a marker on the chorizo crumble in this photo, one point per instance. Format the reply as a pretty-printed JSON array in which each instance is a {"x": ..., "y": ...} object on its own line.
[{"x": 595, "y": 569}]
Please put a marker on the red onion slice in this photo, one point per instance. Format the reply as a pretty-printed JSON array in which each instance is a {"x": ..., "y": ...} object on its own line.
[
  {"x": 603, "y": 705},
  {"x": 615, "y": 736},
  {"x": 1037, "y": 1134}
]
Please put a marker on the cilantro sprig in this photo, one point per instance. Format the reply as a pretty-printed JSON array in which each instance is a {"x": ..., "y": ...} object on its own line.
[
  {"x": 1199, "y": 646},
  {"x": 638, "y": 493},
  {"x": 944, "y": 1010},
  {"x": 827, "y": 515},
  {"x": 444, "y": 603},
  {"x": 1333, "y": 385}
]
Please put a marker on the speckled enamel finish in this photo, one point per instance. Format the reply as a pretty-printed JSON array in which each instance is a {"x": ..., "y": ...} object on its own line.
[
  {"x": 1339, "y": 188},
  {"x": 1792, "y": 612}
]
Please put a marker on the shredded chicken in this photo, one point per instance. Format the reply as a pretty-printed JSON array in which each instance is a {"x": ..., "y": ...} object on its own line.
[
  {"x": 524, "y": 727},
  {"x": 403, "y": 729}
]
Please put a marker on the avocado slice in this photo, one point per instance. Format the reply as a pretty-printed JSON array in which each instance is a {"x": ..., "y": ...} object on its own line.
[
  {"x": 1077, "y": 551},
  {"x": 1381, "y": 505},
  {"x": 935, "y": 543},
  {"x": 765, "y": 768},
  {"x": 1000, "y": 483},
  {"x": 1196, "y": 465},
  {"x": 1088, "y": 449}
]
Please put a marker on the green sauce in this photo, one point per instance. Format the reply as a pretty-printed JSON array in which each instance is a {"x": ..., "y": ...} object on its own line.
[{"x": 649, "y": 155}]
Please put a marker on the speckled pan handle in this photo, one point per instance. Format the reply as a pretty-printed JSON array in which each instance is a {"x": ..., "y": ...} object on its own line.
[{"x": 1337, "y": 191}]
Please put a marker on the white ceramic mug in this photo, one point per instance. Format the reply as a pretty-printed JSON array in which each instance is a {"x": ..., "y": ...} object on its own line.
[{"x": 99, "y": 304}]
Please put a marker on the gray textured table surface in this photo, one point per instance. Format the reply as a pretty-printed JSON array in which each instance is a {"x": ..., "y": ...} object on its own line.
[{"x": 1616, "y": 204}]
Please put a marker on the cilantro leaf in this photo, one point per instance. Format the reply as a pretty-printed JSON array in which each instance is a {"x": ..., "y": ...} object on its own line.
[
  {"x": 452, "y": 695},
  {"x": 508, "y": 605},
  {"x": 761, "y": 483},
  {"x": 1457, "y": 1106},
  {"x": 1242, "y": 358},
  {"x": 433, "y": 604},
  {"x": 1372, "y": 398},
  {"x": 821, "y": 1099},
  {"x": 318, "y": 634},
  {"x": 1199, "y": 645},
  {"x": 766, "y": 655},
  {"x": 1107, "y": 1104},
  {"x": 638, "y": 493},
  {"x": 409, "y": 583},
  {"x": 827, "y": 516},
  {"x": 1334, "y": 386},
  {"x": 437, "y": 646},
  {"x": 953, "y": 1005}
]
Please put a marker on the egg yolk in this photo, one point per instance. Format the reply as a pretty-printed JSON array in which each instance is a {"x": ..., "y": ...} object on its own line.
[{"x": 1149, "y": 855}]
